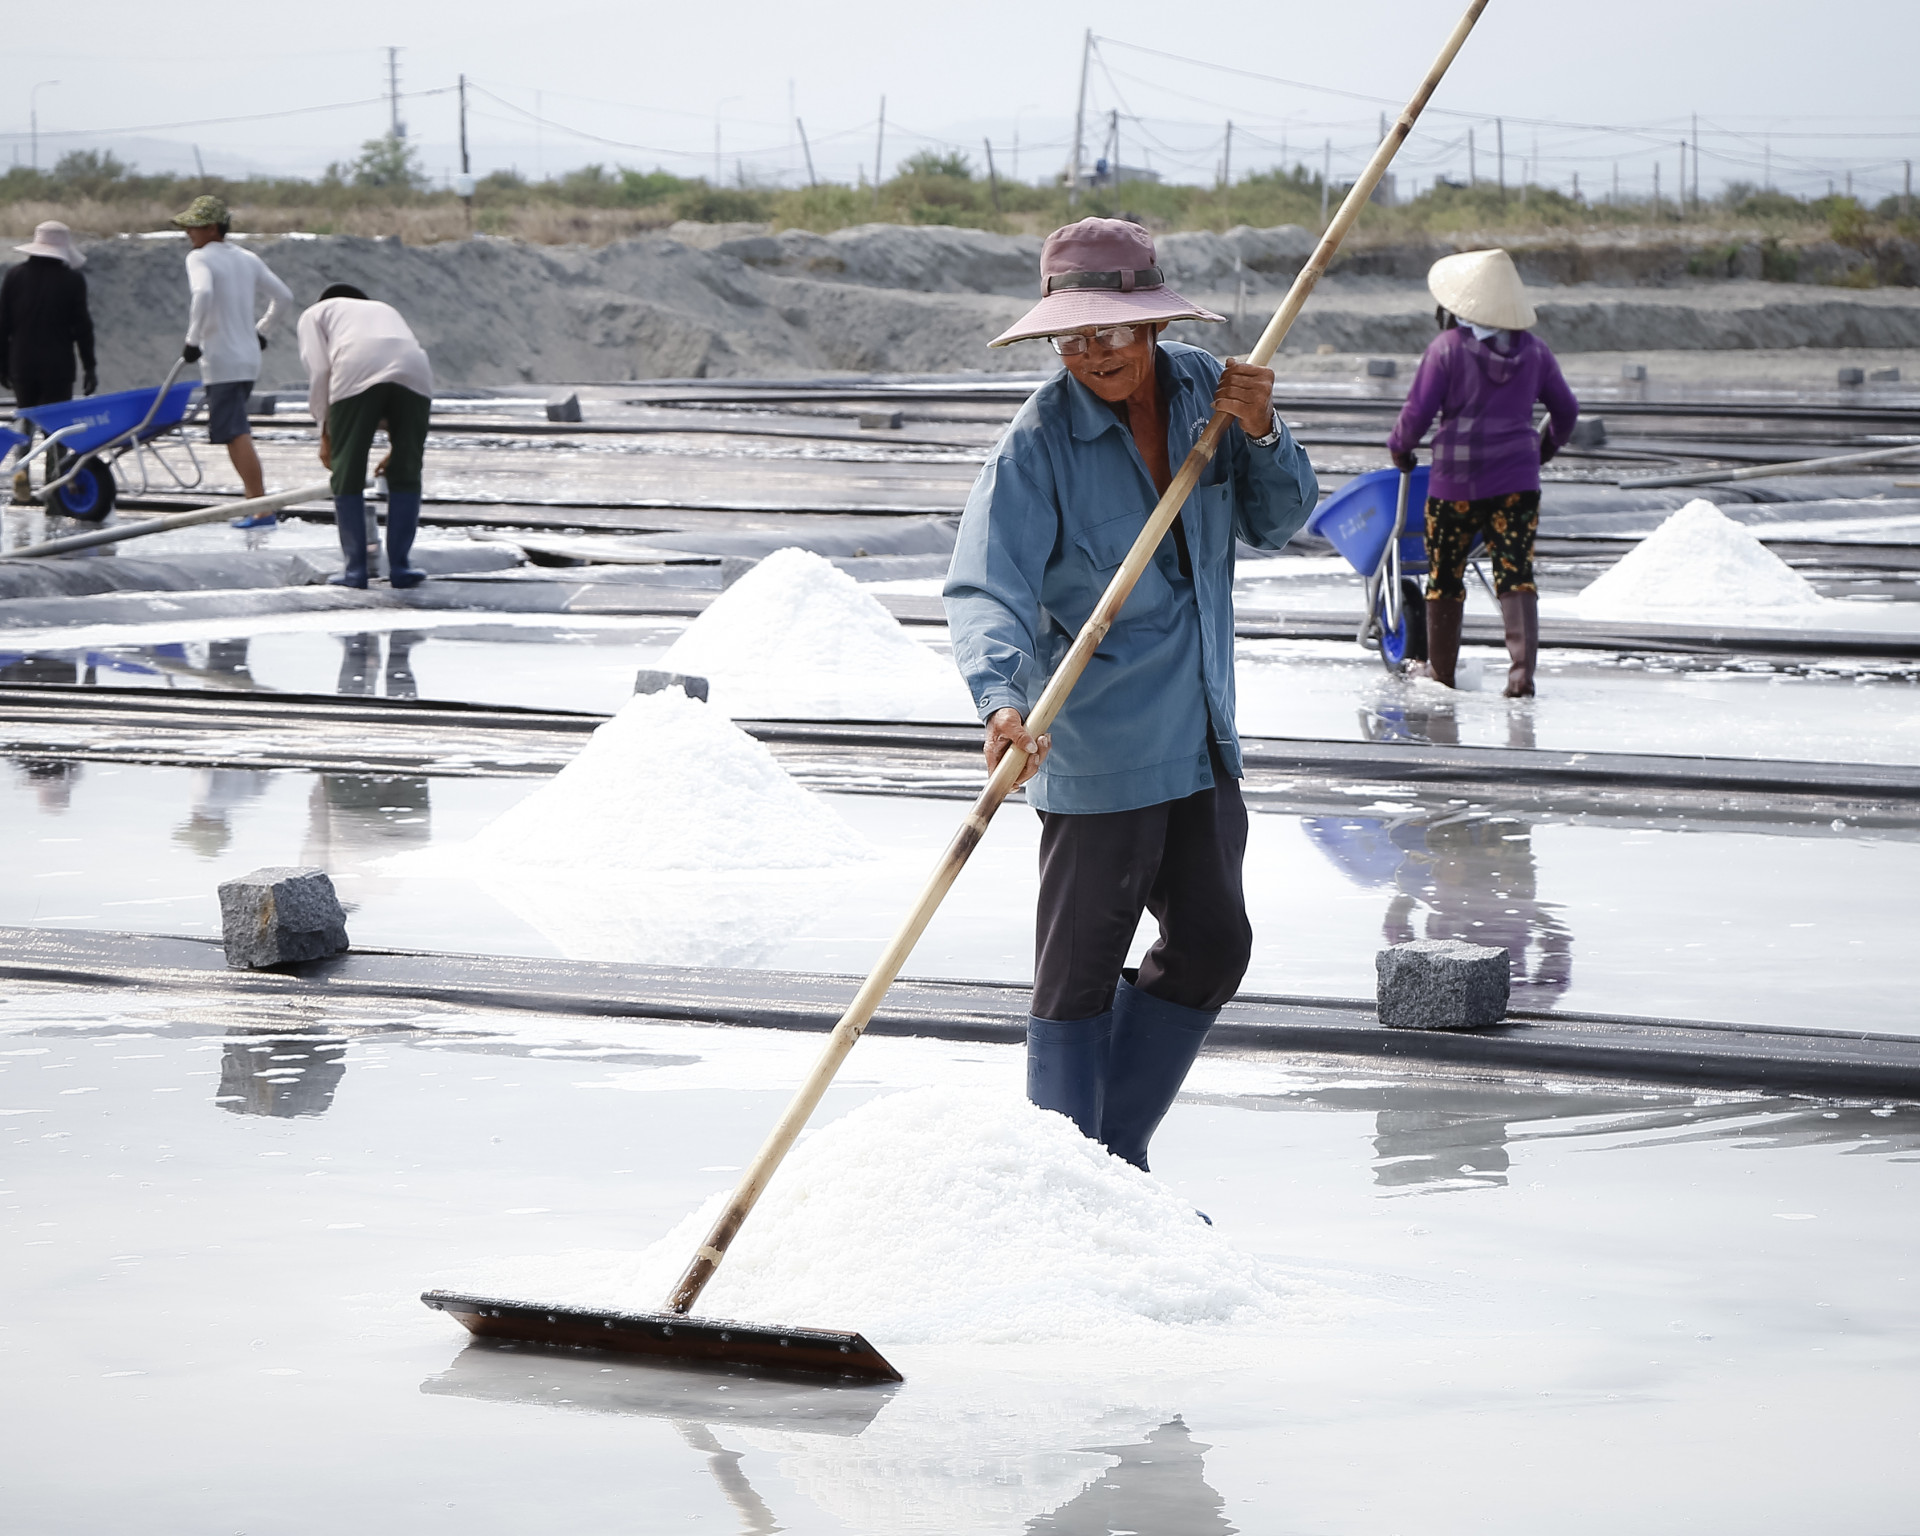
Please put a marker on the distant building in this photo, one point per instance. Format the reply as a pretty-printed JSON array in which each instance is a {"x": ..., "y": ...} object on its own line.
[{"x": 1108, "y": 174}]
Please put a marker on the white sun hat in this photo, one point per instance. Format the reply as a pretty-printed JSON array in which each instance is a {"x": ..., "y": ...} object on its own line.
[
  {"x": 54, "y": 239},
  {"x": 1482, "y": 288}
]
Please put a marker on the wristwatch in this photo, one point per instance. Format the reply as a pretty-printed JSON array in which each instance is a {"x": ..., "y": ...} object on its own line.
[{"x": 1273, "y": 434}]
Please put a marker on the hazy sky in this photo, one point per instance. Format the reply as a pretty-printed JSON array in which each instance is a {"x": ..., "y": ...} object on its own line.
[{"x": 1824, "y": 90}]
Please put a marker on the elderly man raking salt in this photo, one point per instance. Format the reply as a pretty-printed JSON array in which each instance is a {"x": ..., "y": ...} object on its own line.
[{"x": 1137, "y": 782}]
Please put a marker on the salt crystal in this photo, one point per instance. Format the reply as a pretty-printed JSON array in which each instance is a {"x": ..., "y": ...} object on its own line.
[
  {"x": 1698, "y": 561},
  {"x": 797, "y": 636}
]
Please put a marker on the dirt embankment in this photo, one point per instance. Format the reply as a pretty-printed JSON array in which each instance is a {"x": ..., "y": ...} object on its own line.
[{"x": 713, "y": 301}]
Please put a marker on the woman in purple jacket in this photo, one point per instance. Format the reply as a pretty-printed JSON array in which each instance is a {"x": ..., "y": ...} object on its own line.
[{"x": 1482, "y": 376}]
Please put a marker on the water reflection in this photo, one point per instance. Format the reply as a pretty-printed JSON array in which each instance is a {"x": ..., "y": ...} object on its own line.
[
  {"x": 350, "y": 815},
  {"x": 282, "y": 1076},
  {"x": 217, "y": 794},
  {"x": 361, "y": 671},
  {"x": 1159, "y": 1488},
  {"x": 1411, "y": 715},
  {"x": 988, "y": 1462},
  {"x": 51, "y": 781},
  {"x": 1457, "y": 874}
]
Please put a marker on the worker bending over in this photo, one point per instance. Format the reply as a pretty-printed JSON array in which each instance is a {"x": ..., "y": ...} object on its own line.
[
  {"x": 1481, "y": 376},
  {"x": 1136, "y": 785},
  {"x": 366, "y": 371}
]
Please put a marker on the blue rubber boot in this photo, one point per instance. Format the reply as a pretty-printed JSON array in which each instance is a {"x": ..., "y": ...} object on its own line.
[
  {"x": 1154, "y": 1044},
  {"x": 1067, "y": 1067},
  {"x": 350, "y": 519},
  {"x": 403, "y": 521}
]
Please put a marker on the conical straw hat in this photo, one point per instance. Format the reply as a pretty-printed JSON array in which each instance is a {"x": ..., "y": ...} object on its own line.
[{"x": 1482, "y": 288}]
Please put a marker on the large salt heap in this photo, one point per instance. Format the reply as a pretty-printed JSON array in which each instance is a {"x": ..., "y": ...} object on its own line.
[
  {"x": 674, "y": 838},
  {"x": 948, "y": 1216},
  {"x": 1699, "y": 561},
  {"x": 669, "y": 784},
  {"x": 798, "y": 636}
]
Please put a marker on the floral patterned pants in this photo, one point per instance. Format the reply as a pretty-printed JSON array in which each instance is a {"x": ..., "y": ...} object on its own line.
[{"x": 1506, "y": 524}]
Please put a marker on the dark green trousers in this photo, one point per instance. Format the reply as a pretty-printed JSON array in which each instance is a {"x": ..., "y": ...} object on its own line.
[{"x": 351, "y": 424}]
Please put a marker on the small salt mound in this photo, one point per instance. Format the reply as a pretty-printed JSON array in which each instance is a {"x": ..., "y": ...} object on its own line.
[
  {"x": 668, "y": 784},
  {"x": 945, "y": 1216},
  {"x": 798, "y": 636},
  {"x": 1698, "y": 561}
]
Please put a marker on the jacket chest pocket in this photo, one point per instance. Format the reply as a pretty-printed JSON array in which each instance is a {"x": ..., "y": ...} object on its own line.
[{"x": 1106, "y": 544}]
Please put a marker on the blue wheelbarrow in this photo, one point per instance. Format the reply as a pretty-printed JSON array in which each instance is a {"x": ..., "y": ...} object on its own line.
[
  {"x": 84, "y": 442},
  {"x": 1367, "y": 521}
]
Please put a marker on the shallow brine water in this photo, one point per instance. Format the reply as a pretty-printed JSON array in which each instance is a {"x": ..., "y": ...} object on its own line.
[{"x": 1518, "y": 1306}]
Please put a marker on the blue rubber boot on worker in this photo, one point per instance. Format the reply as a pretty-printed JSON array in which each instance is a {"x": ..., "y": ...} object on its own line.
[
  {"x": 1154, "y": 1044},
  {"x": 1067, "y": 1067},
  {"x": 403, "y": 521},
  {"x": 350, "y": 519}
]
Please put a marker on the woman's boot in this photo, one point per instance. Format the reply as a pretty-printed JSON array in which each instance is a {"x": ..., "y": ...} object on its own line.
[
  {"x": 1520, "y": 615},
  {"x": 1067, "y": 1067},
  {"x": 1444, "y": 616},
  {"x": 350, "y": 519},
  {"x": 403, "y": 520}
]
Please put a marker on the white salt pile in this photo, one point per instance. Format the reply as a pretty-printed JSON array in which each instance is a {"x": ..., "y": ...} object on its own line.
[
  {"x": 798, "y": 636},
  {"x": 1698, "y": 561},
  {"x": 674, "y": 838},
  {"x": 668, "y": 784},
  {"x": 946, "y": 1216}
]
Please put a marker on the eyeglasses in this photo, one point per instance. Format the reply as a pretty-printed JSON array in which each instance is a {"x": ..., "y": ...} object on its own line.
[{"x": 1112, "y": 337}]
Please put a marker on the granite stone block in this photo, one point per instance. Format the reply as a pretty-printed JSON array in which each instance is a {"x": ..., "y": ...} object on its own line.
[
  {"x": 281, "y": 914},
  {"x": 1442, "y": 984}
]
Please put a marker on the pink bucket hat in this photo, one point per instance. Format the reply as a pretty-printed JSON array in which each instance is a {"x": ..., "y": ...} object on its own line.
[
  {"x": 54, "y": 239},
  {"x": 1099, "y": 272}
]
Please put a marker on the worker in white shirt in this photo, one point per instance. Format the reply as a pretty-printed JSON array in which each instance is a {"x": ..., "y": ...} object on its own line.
[
  {"x": 366, "y": 371},
  {"x": 224, "y": 338}
]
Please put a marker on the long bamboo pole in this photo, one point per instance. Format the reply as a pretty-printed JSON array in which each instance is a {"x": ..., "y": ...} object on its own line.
[
  {"x": 1766, "y": 471},
  {"x": 1006, "y": 775},
  {"x": 279, "y": 501}
]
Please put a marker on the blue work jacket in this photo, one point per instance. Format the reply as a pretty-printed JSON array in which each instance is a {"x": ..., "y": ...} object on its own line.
[{"x": 1050, "y": 518}]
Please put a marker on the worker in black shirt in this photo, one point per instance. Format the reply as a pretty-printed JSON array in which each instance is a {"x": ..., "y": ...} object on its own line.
[{"x": 43, "y": 318}]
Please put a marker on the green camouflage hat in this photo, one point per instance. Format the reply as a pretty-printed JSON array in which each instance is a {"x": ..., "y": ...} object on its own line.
[{"x": 205, "y": 209}]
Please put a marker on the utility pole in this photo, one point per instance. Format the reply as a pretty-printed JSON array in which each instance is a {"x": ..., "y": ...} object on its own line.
[
  {"x": 1680, "y": 188},
  {"x": 1696, "y": 165},
  {"x": 398, "y": 129},
  {"x": 464, "y": 187},
  {"x": 1326, "y": 182},
  {"x": 1079, "y": 122},
  {"x": 1113, "y": 138},
  {"x": 1656, "y": 191},
  {"x": 1226, "y": 158},
  {"x": 33, "y": 117},
  {"x": 879, "y": 147},
  {"x": 1500, "y": 147},
  {"x": 807, "y": 149},
  {"x": 1473, "y": 167},
  {"x": 993, "y": 176}
]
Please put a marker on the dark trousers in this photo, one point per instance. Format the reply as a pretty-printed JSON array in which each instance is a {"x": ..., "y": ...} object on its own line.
[
  {"x": 1179, "y": 860},
  {"x": 352, "y": 422}
]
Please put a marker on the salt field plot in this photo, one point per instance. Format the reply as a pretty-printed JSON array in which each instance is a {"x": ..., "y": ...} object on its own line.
[
  {"x": 1774, "y": 922},
  {"x": 1504, "y": 1293},
  {"x": 1862, "y": 710}
]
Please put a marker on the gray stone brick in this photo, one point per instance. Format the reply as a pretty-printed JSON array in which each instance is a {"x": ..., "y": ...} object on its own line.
[
  {"x": 649, "y": 680},
  {"x": 1442, "y": 984},
  {"x": 281, "y": 914}
]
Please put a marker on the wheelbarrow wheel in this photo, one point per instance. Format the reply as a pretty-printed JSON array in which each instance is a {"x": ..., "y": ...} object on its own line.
[{"x": 88, "y": 496}]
